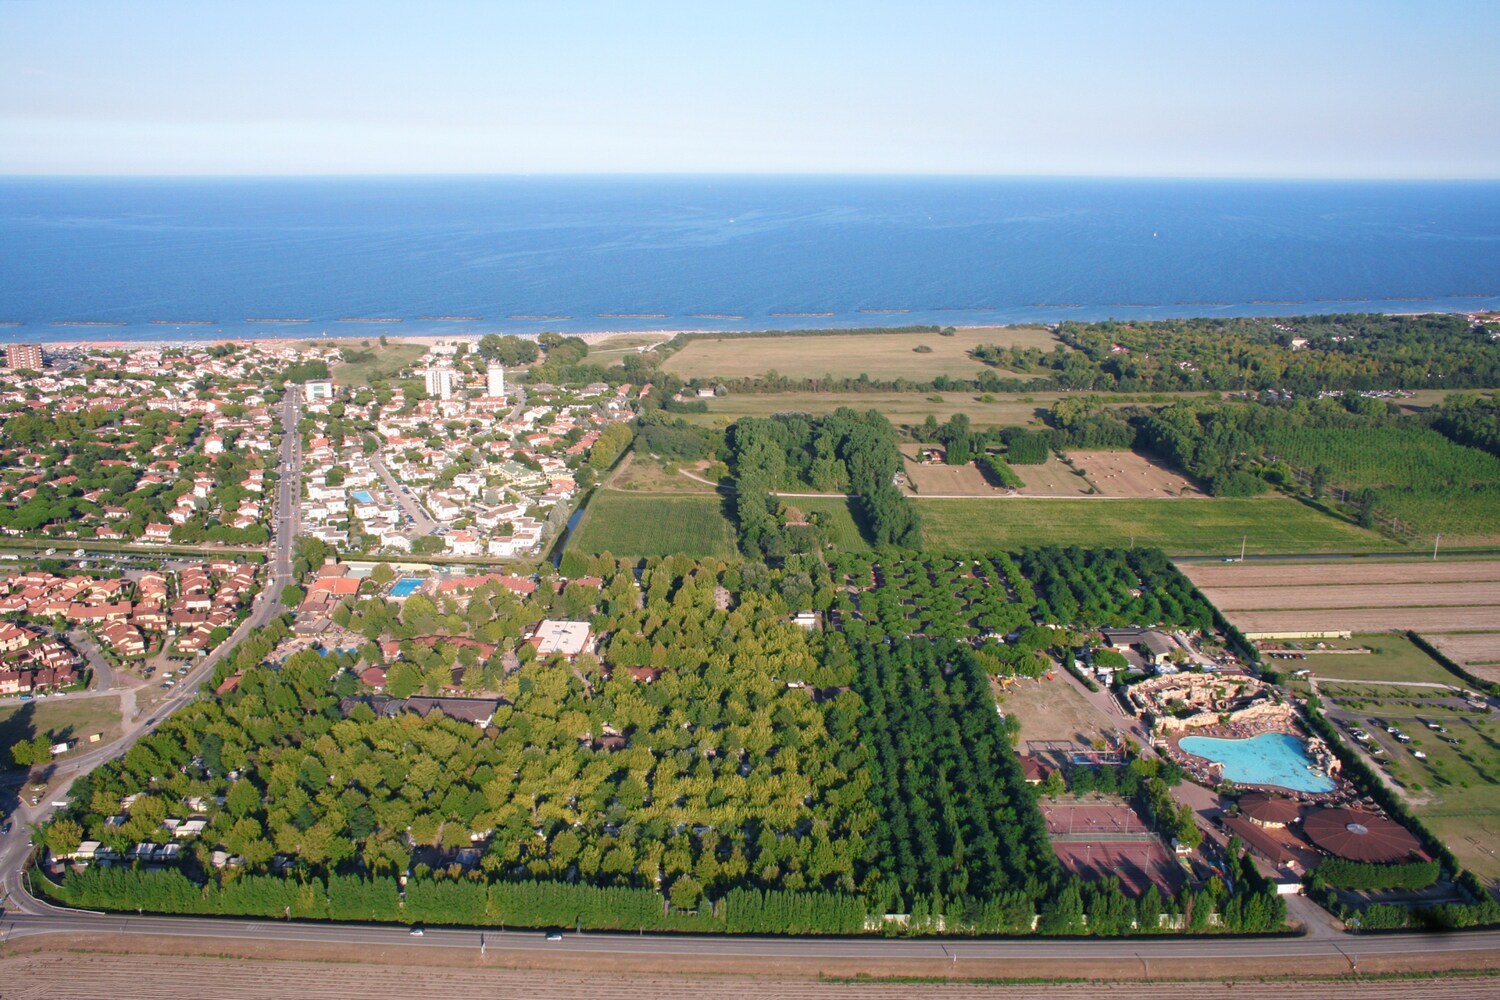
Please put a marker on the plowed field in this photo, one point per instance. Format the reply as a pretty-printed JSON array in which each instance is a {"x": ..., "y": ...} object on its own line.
[{"x": 1356, "y": 596}]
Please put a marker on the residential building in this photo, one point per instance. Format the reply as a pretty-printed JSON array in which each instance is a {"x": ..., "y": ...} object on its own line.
[
  {"x": 318, "y": 390},
  {"x": 28, "y": 356},
  {"x": 439, "y": 382},
  {"x": 495, "y": 379}
]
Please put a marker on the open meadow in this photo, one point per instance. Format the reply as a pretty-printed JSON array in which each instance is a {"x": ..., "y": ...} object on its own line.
[
  {"x": 882, "y": 356},
  {"x": 1433, "y": 598},
  {"x": 66, "y": 717},
  {"x": 366, "y": 364},
  {"x": 1179, "y": 527}
]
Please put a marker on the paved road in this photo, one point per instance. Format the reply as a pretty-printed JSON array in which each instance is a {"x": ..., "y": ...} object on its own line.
[
  {"x": 60, "y": 777},
  {"x": 1274, "y": 949},
  {"x": 422, "y": 524}
]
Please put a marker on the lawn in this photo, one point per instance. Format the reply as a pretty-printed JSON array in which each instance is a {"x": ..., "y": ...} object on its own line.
[
  {"x": 1392, "y": 657},
  {"x": 369, "y": 364},
  {"x": 656, "y": 524},
  {"x": 836, "y": 514},
  {"x": 66, "y": 717},
  {"x": 1002, "y": 410},
  {"x": 1180, "y": 527},
  {"x": 878, "y": 355}
]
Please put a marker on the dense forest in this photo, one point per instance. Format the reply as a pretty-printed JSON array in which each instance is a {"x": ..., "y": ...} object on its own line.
[
  {"x": 1303, "y": 354},
  {"x": 713, "y": 767},
  {"x": 842, "y": 452},
  {"x": 1411, "y": 473}
]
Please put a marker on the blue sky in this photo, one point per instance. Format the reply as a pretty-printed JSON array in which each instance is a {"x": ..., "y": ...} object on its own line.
[{"x": 1318, "y": 88}]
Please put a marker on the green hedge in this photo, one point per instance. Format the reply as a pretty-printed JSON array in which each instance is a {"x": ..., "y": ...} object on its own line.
[{"x": 1342, "y": 874}]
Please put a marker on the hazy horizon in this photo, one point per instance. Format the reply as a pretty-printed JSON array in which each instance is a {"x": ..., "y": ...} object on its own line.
[{"x": 1170, "y": 89}]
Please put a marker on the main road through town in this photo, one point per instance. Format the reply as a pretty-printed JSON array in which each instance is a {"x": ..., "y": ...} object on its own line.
[{"x": 59, "y": 778}]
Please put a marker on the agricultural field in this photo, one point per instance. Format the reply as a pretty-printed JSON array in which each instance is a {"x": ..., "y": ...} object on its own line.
[
  {"x": 1131, "y": 474},
  {"x": 1477, "y": 652},
  {"x": 937, "y": 479},
  {"x": 655, "y": 524},
  {"x": 882, "y": 356},
  {"x": 1464, "y": 516},
  {"x": 1428, "y": 597},
  {"x": 1269, "y": 525},
  {"x": 911, "y": 408},
  {"x": 1383, "y": 456},
  {"x": 1053, "y": 478}
]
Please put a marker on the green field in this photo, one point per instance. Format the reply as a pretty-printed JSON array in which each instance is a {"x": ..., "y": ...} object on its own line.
[
  {"x": 654, "y": 524},
  {"x": 1392, "y": 657},
  {"x": 881, "y": 356},
  {"x": 369, "y": 364},
  {"x": 836, "y": 515},
  {"x": 1180, "y": 527}
]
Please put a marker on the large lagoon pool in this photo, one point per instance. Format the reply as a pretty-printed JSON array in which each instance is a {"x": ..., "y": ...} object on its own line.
[{"x": 1268, "y": 759}]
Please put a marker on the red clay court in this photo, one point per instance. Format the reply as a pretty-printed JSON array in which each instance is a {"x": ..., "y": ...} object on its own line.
[
  {"x": 1099, "y": 839},
  {"x": 1097, "y": 819}
]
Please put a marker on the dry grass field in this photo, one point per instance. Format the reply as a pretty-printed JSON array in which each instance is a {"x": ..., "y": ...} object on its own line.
[
  {"x": 1433, "y": 598},
  {"x": 1053, "y": 710},
  {"x": 1002, "y": 410},
  {"x": 1477, "y": 652},
  {"x": 879, "y": 355},
  {"x": 944, "y": 480},
  {"x": 1130, "y": 474},
  {"x": 1053, "y": 478}
]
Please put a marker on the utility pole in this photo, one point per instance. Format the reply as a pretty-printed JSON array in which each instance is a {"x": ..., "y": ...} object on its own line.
[
  {"x": 1243, "y": 540},
  {"x": 1435, "y": 541}
]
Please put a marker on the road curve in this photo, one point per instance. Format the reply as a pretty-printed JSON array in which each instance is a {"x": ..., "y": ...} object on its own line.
[{"x": 16, "y": 845}]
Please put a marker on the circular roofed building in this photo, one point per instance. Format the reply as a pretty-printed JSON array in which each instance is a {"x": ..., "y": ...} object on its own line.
[
  {"x": 1264, "y": 809},
  {"x": 1356, "y": 835}
]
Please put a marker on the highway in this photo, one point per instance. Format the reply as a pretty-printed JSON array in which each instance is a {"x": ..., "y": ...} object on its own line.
[{"x": 15, "y": 845}]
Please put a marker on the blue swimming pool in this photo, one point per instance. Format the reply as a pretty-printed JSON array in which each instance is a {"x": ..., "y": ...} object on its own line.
[
  {"x": 406, "y": 586},
  {"x": 363, "y": 496},
  {"x": 1268, "y": 759}
]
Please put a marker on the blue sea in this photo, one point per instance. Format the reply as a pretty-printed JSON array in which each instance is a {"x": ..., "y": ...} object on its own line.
[{"x": 195, "y": 259}]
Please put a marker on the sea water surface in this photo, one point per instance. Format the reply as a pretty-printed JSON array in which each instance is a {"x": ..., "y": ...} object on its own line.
[{"x": 157, "y": 259}]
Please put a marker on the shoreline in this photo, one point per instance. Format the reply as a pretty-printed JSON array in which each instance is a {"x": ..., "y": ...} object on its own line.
[{"x": 594, "y": 336}]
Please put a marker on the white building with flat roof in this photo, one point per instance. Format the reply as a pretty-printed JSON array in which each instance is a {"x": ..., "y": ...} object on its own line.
[
  {"x": 318, "y": 389},
  {"x": 495, "y": 377},
  {"x": 439, "y": 382},
  {"x": 567, "y": 638}
]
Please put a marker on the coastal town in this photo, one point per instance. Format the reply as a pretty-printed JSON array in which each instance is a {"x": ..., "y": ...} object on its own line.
[{"x": 395, "y": 547}]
